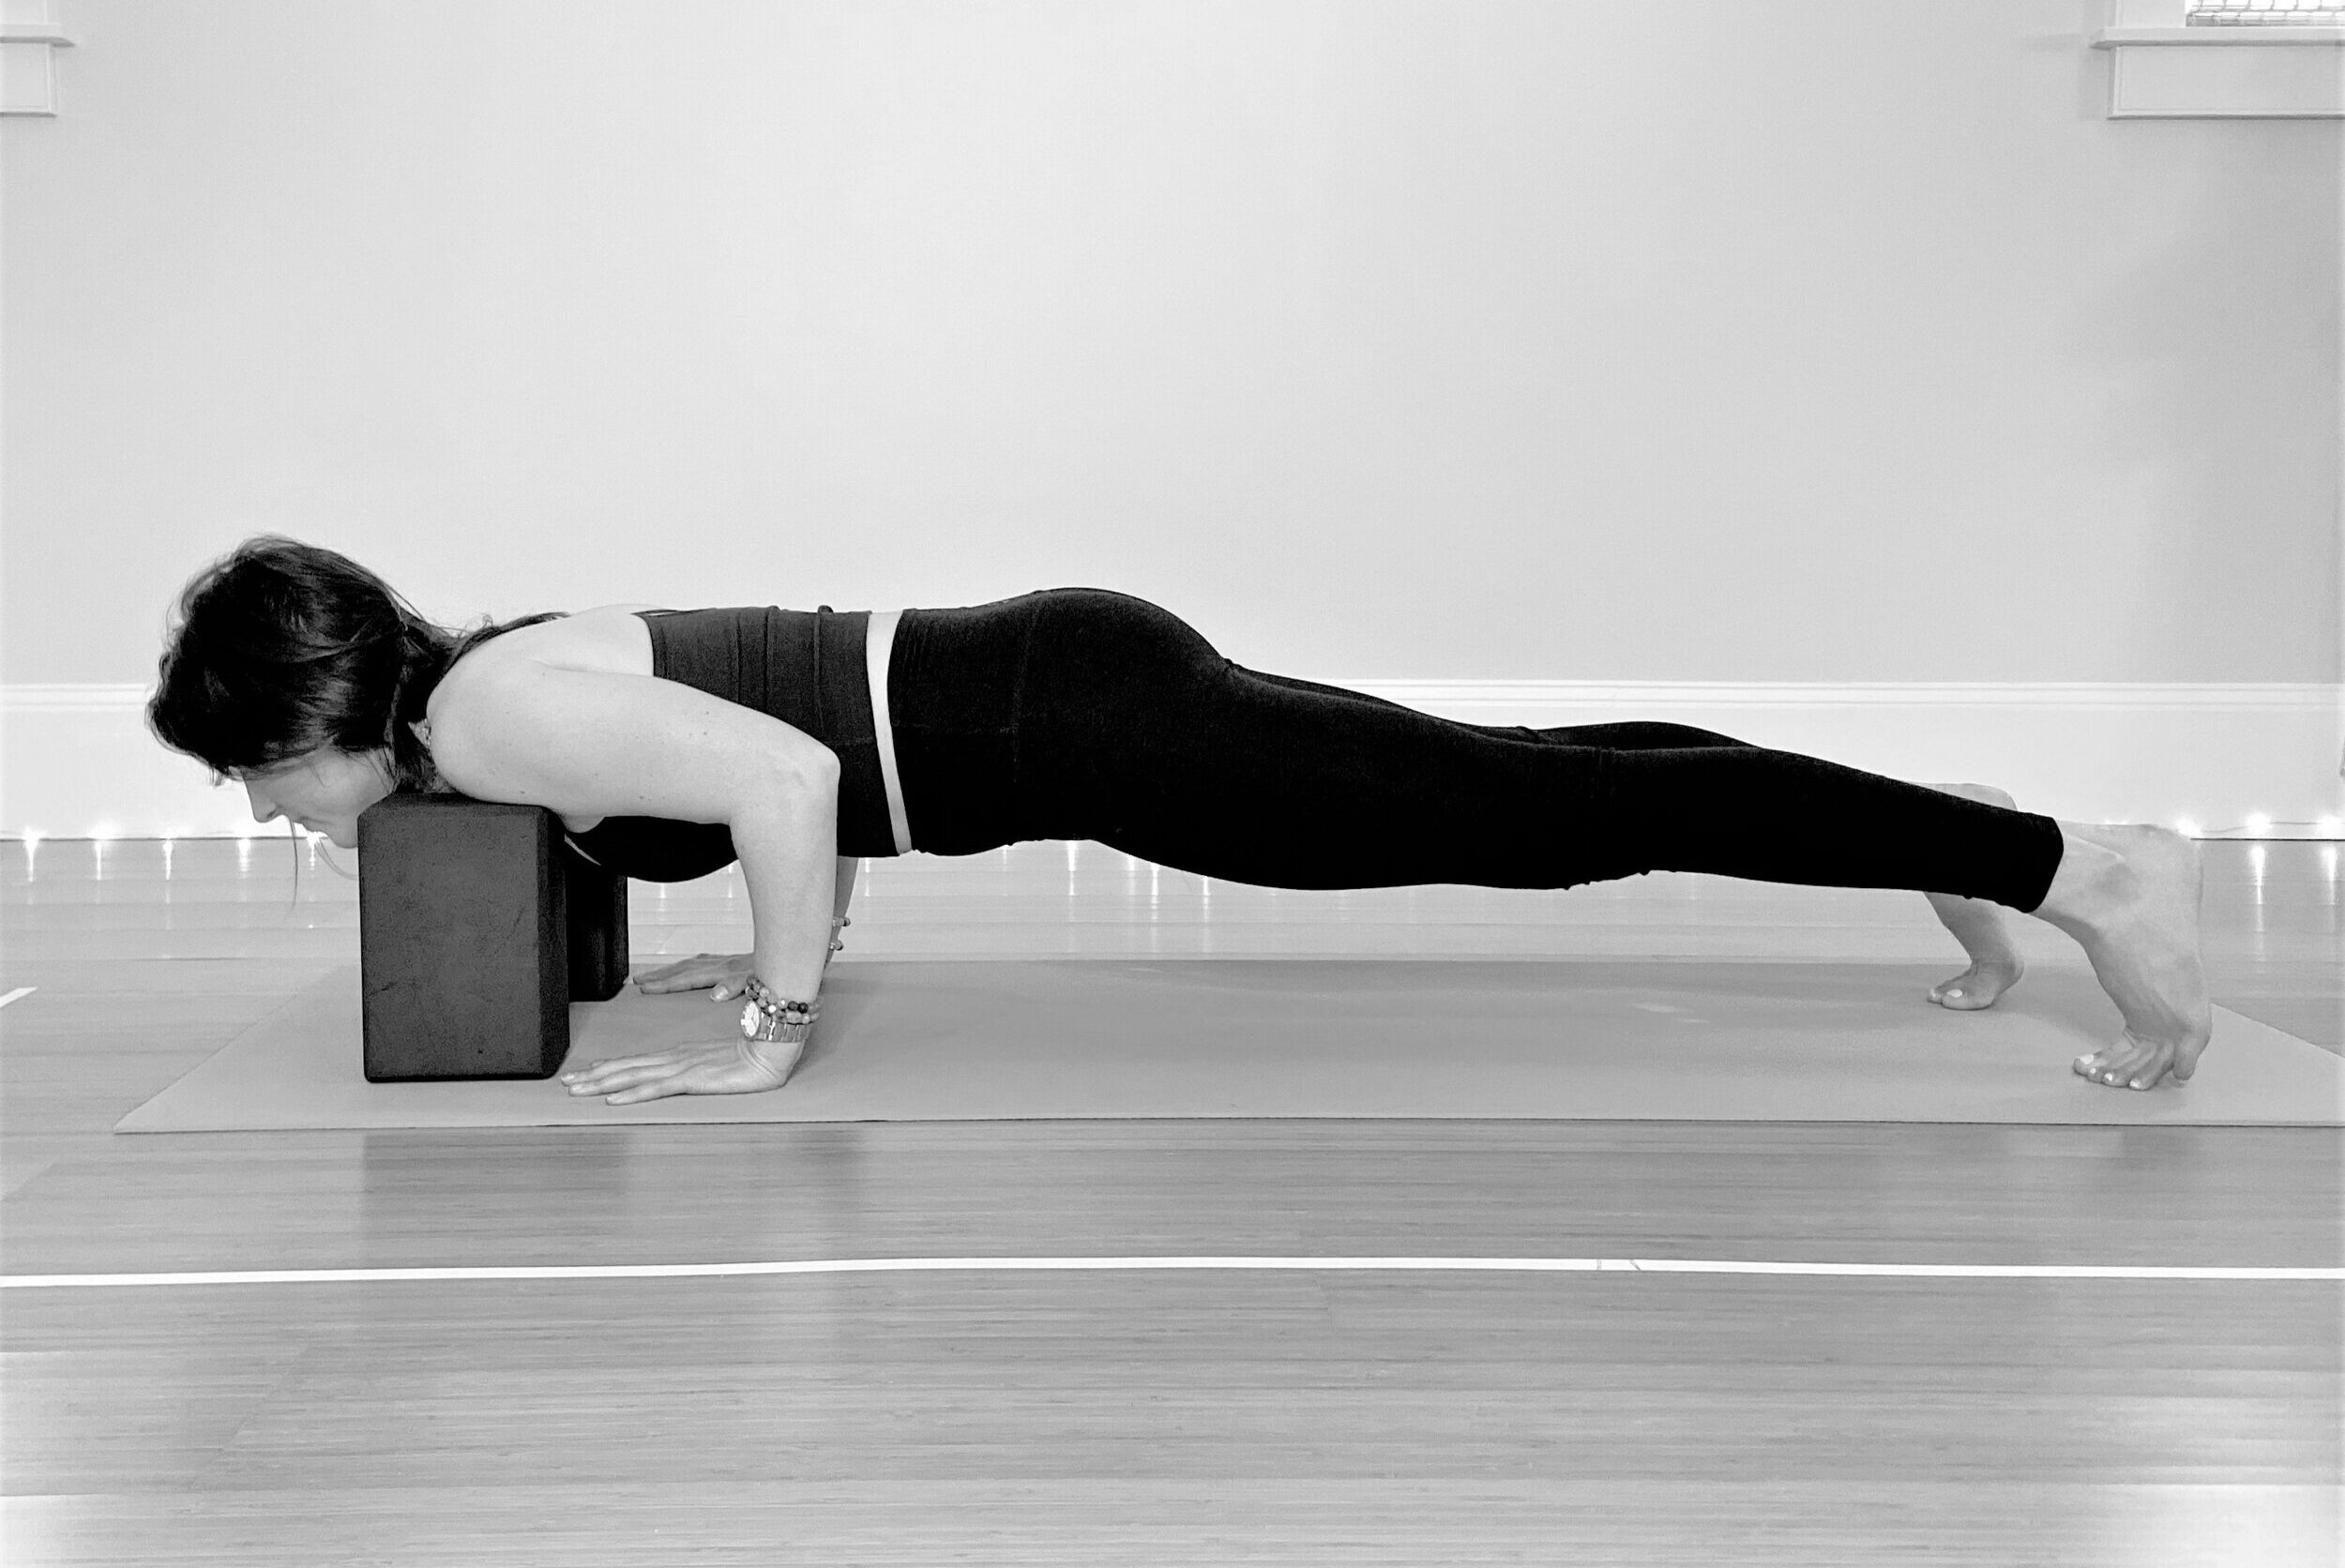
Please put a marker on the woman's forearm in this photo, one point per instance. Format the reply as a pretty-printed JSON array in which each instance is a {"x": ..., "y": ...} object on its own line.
[
  {"x": 847, "y": 865},
  {"x": 788, "y": 843}
]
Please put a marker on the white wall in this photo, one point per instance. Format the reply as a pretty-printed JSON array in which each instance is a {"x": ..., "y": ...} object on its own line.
[{"x": 1720, "y": 341}]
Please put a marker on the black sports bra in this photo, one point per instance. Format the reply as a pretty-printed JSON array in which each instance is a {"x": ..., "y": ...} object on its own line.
[{"x": 805, "y": 667}]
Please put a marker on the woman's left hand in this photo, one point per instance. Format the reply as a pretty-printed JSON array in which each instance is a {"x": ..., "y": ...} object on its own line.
[{"x": 739, "y": 1066}]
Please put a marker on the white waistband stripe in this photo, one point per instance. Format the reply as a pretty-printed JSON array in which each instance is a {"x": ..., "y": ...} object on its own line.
[
  {"x": 878, "y": 646},
  {"x": 920, "y": 1266}
]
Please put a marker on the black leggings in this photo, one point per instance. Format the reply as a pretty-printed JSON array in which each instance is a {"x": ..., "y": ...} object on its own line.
[{"x": 1082, "y": 713}]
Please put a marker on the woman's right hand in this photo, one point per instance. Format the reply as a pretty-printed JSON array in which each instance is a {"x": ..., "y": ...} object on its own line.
[{"x": 727, "y": 972}]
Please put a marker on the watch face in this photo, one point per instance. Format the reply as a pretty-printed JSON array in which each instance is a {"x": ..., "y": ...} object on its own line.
[{"x": 748, "y": 1017}]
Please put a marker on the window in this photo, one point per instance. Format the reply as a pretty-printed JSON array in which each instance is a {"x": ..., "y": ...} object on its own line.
[{"x": 2265, "y": 13}]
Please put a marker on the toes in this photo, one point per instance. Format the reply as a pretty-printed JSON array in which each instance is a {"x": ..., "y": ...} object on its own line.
[
  {"x": 2187, "y": 1061},
  {"x": 2100, "y": 1066},
  {"x": 2093, "y": 1066},
  {"x": 2164, "y": 1061},
  {"x": 1976, "y": 988},
  {"x": 2148, "y": 1066},
  {"x": 2129, "y": 1064}
]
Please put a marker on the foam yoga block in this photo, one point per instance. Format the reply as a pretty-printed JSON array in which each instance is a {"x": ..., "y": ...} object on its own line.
[{"x": 478, "y": 926}]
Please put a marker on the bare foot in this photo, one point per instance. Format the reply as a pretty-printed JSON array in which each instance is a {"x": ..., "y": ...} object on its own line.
[
  {"x": 2129, "y": 895},
  {"x": 1978, "y": 924}
]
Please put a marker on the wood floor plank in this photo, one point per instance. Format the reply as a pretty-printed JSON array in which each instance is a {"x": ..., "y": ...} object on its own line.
[
  {"x": 1397, "y": 1520},
  {"x": 650, "y": 1382},
  {"x": 1848, "y": 1192}
]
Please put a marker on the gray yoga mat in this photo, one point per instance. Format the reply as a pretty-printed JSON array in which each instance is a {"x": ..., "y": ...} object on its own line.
[{"x": 1567, "y": 1039}]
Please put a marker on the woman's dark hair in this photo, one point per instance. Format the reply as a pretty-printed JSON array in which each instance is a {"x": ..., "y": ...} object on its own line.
[{"x": 280, "y": 648}]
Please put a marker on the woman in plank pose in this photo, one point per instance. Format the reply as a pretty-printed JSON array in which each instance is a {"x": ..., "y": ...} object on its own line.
[{"x": 672, "y": 743}]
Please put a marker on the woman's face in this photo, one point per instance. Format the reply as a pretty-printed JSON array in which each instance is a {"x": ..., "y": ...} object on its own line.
[{"x": 324, "y": 791}]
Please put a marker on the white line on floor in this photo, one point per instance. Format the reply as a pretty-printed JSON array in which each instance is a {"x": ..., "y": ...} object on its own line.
[
  {"x": 908, "y": 1265},
  {"x": 21, "y": 991}
]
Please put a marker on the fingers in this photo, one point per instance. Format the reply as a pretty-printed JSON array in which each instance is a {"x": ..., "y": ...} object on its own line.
[
  {"x": 619, "y": 1072},
  {"x": 728, "y": 1069},
  {"x": 618, "y": 1063},
  {"x": 694, "y": 973},
  {"x": 643, "y": 1083},
  {"x": 675, "y": 977}
]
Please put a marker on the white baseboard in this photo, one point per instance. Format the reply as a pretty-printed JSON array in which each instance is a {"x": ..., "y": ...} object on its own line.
[{"x": 76, "y": 761}]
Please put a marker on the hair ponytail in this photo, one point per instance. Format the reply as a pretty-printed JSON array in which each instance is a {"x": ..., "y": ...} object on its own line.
[{"x": 424, "y": 655}]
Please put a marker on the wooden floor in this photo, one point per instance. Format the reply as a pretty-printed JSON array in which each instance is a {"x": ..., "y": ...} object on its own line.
[{"x": 1142, "y": 1416}]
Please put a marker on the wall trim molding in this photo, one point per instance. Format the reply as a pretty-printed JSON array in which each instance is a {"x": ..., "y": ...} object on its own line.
[{"x": 76, "y": 760}]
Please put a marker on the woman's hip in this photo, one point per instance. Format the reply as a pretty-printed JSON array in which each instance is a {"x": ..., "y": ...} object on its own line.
[{"x": 999, "y": 708}]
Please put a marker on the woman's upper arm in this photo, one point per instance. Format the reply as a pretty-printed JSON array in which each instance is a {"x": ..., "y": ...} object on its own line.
[{"x": 586, "y": 743}]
